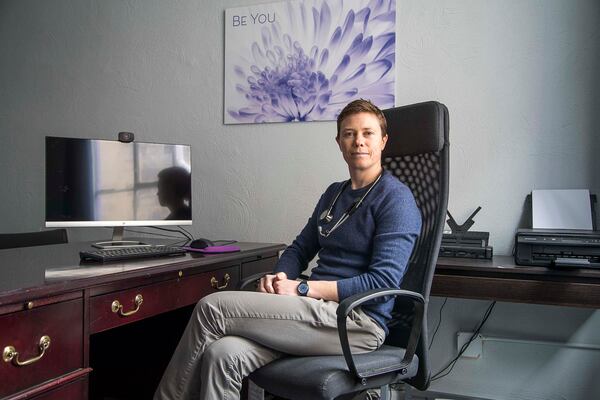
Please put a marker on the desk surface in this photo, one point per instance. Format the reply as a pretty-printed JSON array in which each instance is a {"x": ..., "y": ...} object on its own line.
[
  {"x": 500, "y": 279},
  {"x": 37, "y": 271},
  {"x": 505, "y": 266}
]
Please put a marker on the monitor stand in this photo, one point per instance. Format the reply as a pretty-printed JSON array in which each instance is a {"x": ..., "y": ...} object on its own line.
[{"x": 117, "y": 241}]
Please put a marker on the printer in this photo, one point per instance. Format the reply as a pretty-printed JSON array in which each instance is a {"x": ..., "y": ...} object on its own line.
[{"x": 558, "y": 248}]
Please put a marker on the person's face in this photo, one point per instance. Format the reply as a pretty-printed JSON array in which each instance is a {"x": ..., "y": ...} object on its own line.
[{"x": 361, "y": 141}]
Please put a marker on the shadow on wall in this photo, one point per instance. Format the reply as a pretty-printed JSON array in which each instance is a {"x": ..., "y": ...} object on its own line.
[{"x": 571, "y": 371}]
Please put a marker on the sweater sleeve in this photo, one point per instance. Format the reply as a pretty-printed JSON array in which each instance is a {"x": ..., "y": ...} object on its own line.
[
  {"x": 397, "y": 226},
  {"x": 303, "y": 249}
]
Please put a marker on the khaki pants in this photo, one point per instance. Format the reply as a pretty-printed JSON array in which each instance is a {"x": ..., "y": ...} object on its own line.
[{"x": 231, "y": 334}]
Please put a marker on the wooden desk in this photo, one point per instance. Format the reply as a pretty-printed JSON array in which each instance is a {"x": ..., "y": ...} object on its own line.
[
  {"x": 46, "y": 293},
  {"x": 500, "y": 279}
]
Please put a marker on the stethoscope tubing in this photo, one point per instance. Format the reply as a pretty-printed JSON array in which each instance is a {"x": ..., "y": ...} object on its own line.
[{"x": 327, "y": 217}]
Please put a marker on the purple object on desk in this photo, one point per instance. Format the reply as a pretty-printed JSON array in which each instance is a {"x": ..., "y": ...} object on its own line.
[{"x": 213, "y": 249}]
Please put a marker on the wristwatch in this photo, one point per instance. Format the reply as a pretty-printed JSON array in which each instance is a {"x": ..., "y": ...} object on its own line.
[{"x": 302, "y": 288}]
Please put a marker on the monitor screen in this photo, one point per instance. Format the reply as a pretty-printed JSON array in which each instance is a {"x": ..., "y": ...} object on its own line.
[{"x": 92, "y": 182}]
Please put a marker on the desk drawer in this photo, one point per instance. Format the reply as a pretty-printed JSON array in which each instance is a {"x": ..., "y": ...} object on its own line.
[
  {"x": 62, "y": 323},
  {"x": 193, "y": 288},
  {"x": 130, "y": 305},
  {"x": 263, "y": 265}
]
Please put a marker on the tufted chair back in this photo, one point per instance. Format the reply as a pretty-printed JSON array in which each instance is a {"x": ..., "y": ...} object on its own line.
[{"x": 417, "y": 154}]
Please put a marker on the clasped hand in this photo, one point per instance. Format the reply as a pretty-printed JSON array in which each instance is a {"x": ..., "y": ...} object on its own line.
[{"x": 278, "y": 284}]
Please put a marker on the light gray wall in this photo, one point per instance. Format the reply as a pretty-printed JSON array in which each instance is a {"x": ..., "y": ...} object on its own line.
[
  {"x": 520, "y": 79},
  {"x": 521, "y": 82},
  {"x": 529, "y": 352}
]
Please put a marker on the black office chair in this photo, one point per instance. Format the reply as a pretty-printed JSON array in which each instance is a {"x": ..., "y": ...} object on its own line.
[
  {"x": 14, "y": 240},
  {"x": 416, "y": 153}
]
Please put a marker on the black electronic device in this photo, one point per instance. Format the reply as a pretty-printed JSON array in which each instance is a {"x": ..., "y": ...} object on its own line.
[
  {"x": 93, "y": 182},
  {"x": 463, "y": 243},
  {"x": 129, "y": 253},
  {"x": 558, "y": 248},
  {"x": 465, "y": 226},
  {"x": 477, "y": 239},
  {"x": 485, "y": 252},
  {"x": 201, "y": 243},
  {"x": 126, "y": 137}
]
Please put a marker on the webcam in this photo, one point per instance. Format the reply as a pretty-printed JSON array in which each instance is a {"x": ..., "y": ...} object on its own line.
[{"x": 126, "y": 137}]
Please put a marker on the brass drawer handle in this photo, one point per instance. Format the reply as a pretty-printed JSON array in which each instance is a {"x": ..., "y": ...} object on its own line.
[
  {"x": 215, "y": 283},
  {"x": 11, "y": 354},
  {"x": 117, "y": 307}
]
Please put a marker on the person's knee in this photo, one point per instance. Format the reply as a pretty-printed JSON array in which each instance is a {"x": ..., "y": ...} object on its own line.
[
  {"x": 209, "y": 303},
  {"x": 214, "y": 299},
  {"x": 212, "y": 309},
  {"x": 225, "y": 358},
  {"x": 219, "y": 352}
]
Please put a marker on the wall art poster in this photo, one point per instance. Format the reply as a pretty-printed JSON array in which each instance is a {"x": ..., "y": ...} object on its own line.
[{"x": 305, "y": 60}]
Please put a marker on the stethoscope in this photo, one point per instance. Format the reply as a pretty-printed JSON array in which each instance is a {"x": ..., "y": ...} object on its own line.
[{"x": 326, "y": 216}]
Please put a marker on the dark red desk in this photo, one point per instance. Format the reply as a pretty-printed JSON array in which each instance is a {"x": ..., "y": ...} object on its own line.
[{"x": 46, "y": 292}]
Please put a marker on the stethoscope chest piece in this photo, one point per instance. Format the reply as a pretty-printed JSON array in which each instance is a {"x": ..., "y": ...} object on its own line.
[{"x": 326, "y": 216}]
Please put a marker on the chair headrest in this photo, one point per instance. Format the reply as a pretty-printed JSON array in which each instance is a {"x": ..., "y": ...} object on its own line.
[{"x": 416, "y": 128}]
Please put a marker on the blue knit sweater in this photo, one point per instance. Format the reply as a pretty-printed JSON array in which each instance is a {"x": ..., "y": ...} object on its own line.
[{"x": 368, "y": 251}]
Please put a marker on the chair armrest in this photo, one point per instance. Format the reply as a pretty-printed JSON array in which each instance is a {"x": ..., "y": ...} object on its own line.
[
  {"x": 348, "y": 304},
  {"x": 255, "y": 277},
  {"x": 250, "y": 279}
]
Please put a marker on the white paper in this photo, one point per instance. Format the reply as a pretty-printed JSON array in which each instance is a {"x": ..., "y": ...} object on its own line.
[{"x": 562, "y": 209}]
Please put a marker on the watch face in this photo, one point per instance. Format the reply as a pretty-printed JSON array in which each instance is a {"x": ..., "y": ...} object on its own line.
[{"x": 303, "y": 288}]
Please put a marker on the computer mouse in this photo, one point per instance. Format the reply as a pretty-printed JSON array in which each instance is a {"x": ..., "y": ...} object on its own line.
[{"x": 201, "y": 243}]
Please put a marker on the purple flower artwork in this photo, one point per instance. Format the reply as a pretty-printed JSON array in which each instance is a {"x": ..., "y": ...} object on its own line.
[{"x": 305, "y": 60}]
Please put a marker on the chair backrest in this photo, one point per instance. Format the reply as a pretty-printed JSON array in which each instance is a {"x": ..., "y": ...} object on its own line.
[
  {"x": 417, "y": 154},
  {"x": 14, "y": 240}
]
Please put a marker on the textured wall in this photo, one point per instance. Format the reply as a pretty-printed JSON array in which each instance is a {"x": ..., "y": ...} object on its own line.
[
  {"x": 91, "y": 69},
  {"x": 521, "y": 81},
  {"x": 519, "y": 77}
]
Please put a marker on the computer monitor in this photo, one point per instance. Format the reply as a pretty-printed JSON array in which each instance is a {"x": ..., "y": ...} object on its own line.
[{"x": 91, "y": 183}]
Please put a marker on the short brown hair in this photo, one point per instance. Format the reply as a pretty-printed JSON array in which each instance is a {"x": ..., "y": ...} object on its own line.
[{"x": 359, "y": 106}]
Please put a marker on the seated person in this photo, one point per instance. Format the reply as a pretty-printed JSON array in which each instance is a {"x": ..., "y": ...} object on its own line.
[
  {"x": 174, "y": 185},
  {"x": 363, "y": 229}
]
